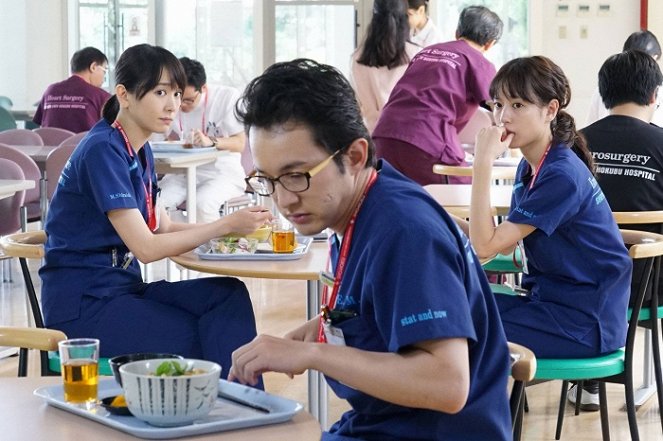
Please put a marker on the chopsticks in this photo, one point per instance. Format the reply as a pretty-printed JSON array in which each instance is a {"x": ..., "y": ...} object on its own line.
[{"x": 243, "y": 402}]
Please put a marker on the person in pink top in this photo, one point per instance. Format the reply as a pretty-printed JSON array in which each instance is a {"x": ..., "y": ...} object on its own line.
[
  {"x": 382, "y": 58},
  {"x": 436, "y": 97},
  {"x": 75, "y": 104}
]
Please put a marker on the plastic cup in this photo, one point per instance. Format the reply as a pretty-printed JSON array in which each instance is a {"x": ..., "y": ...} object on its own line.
[
  {"x": 79, "y": 358},
  {"x": 283, "y": 236}
]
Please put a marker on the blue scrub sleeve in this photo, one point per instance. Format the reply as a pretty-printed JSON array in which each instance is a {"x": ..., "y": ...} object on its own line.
[
  {"x": 553, "y": 200},
  {"x": 109, "y": 179},
  {"x": 419, "y": 293}
]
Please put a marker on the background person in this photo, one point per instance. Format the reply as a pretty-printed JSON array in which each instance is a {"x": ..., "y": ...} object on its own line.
[
  {"x": 207, "y": 112},
  {"x": 105, "y": 211},
  {"x": 382, "y": 58},
  {"x": 417, "y": 346},
  {"x": 644, "y": 41},
  {"x": 436, "y": 97},
  {"x": 576, "y": 268},
  {"x": 75, "y": 104},
  {"x": 423, "y": 31}
]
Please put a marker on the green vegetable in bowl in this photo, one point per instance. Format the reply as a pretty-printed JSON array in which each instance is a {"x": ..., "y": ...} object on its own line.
[{"x": 174, "y": 369}]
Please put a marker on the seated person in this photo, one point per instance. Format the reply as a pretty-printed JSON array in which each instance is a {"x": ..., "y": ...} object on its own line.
[
  {"x": 576, "y": 268},
  {"x": 75, "y": 104},
  {"x": 206, "y": 117},
  {"x": 105, "y": 211},
  {"x": 414, "y": 344}
]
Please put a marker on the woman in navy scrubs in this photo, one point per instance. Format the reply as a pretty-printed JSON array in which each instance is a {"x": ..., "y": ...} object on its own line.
[
  {"x": 576, "y": 268},
  {"x": 105, "y": 212}
]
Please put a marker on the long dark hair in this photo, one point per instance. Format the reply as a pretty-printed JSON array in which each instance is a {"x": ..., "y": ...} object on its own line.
[
  {"x": 538, "y": 80},
  {"x": 386, "y": 35},
  {"x": 139, "y": 70}
]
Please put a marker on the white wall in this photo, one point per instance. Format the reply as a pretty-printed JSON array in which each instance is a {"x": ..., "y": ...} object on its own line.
[
  {"x": 589, "y": 39},
  {"x": 33, "y": 46}
]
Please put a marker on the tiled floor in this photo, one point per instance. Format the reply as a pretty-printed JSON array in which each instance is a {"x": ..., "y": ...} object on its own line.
[{"x": 280, "y": 306}]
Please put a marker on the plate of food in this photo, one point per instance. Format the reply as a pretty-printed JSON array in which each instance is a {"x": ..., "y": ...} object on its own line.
[
  {"x": 178, "y": 147},
  {"x": 249, "y": 249}
]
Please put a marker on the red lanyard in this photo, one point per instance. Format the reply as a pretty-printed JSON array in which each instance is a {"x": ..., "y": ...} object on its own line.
[
  {"x": 151, "y": 216},
  {"x": 538, "y": 167},
  {"x": 342, "y": 259},
  {"x": 202, "y": 126}
]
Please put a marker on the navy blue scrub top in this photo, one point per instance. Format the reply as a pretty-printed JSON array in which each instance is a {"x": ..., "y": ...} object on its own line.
[
  {"x": 578, "y": 264},
  {"x": 84, "y": 253}
]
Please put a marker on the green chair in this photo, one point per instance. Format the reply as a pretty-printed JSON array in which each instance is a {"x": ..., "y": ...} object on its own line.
[
  {"x": 616, "y": 367},
  {"x": 505, "y": 263},
  {"x": 6, "y": 102},
  {"x": 7, "y": 121}
]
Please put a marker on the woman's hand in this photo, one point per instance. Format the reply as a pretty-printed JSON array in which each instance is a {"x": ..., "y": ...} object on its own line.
[
  {"x": 246, "y": 220},
  {"x": 199, "y": 138},
  {"x": 491, "y": 143}
]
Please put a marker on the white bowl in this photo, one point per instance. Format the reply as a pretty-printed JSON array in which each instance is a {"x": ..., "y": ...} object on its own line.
[{"x": 168, "y": 400}]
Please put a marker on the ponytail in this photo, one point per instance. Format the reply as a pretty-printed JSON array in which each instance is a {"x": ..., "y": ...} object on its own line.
[
  {"x": 563, "y": 129},
  {"x": 111, "y": 109}
]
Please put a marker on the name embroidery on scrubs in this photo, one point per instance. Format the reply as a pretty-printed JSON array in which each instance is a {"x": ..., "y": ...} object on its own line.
[
  {"x": 152, "y": 220},
  {"x": 326, "y": 331}
]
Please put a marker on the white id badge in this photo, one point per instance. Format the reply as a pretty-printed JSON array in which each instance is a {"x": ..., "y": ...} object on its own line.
[
  {"x": 333, "y": 334},
  {"x": 523, "y": 256},
  {"x": 157, "y": 209}
]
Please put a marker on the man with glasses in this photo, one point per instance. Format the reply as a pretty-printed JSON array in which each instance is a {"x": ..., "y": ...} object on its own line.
[
  {"x": 206, "y": 119},
  {"x": 75, "y": 104},
  {"x": 409, "y": 333}
]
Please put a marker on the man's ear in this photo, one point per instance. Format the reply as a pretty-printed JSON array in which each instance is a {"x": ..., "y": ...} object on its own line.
[
  {"x": 489, "y": 45},
  {"x": 356, "y": 155}
]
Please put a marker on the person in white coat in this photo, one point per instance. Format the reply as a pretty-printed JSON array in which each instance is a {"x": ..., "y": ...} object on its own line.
[
  {"x": 207, "y": 117},
  {"x": 423, "y": 31}
]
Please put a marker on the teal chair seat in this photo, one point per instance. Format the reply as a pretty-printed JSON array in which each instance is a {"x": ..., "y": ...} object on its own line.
[
  {"x": 498, "y": 288},
  {"x": 54, "y": 364},
  {"x": 645, "y": 313},
  {"x": 503, "y": 263},
  {"x": 580, "y": 368}
]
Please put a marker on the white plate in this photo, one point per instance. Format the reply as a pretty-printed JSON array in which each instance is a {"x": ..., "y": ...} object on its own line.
[
  {"x": 177, "y": 147},
  {"x": 226, "y": 415},
  {"x": 303, "y": 244}
]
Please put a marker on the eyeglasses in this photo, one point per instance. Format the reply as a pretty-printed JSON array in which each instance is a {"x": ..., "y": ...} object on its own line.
[
  {"x": 295, "y": 182},
  {"x": 191, "y": 101}
]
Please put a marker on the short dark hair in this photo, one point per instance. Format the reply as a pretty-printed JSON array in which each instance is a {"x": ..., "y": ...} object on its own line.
[
  {"x": 416, "y": 4},
  {"x": 306, "y": 92},
  {"x": 82, "y": 59},
  {"x": 479, "y": 24},
  {"x": 629, "y": 77},
  {"x": 643, "y": 41},
  {"x": 386, "y": 36},
  {"x": 139, "y": 70},
  {"x": 195, "y": 73}
]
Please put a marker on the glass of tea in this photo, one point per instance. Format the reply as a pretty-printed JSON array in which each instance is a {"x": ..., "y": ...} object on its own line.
[
  {"x": 79, "y": 358},
  {"x": 283, "y": 236}
]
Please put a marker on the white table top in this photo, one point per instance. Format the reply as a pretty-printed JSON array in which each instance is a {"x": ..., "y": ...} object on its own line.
[
  {"x": 9, "y": 187},
  {"x": 455, "y": 198},
  {"x": 25, "y": 417}
]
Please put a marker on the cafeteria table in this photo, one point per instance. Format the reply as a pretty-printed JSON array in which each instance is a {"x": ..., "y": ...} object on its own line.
[
  {"x": 26, "y": 417},
  {"x": 306, "y": 268}
]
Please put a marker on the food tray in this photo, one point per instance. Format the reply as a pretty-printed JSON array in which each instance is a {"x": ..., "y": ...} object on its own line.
[
  {"x": 226, "y": 415},
  {"x": 303, "y": 244},
  {"x": 176, "y": 147}
]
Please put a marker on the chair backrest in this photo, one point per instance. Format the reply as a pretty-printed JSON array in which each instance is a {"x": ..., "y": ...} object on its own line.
[
  {"x": 10, "y": 219},
  {"x": 20, "y": 137},
  {"x": 53, "y": 135},
  {"x": 55, "y": 162},
  {"x": 638, "y": 217},
  {"x": 7, "y": 120},
  {"x": 31, "y": 338},
  {"x": 29, "y": 167},
  {"x": 6, "y": 102},
  {"x": 482, "y": 118},
  {"x": 74, "y": 139}
]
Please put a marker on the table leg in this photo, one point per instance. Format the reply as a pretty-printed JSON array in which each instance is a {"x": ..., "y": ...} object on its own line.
[
  {"x": 191, "y": 194},
  {"x": 317, "y": 387}
]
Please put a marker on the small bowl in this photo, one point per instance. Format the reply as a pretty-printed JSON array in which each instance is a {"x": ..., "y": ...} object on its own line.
[
  {"x": 168, "y": 401},
  {"x": 119, "y": 360},
  {"x": 261, "y": 234},
  {"x": 106, "y": 403}
]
